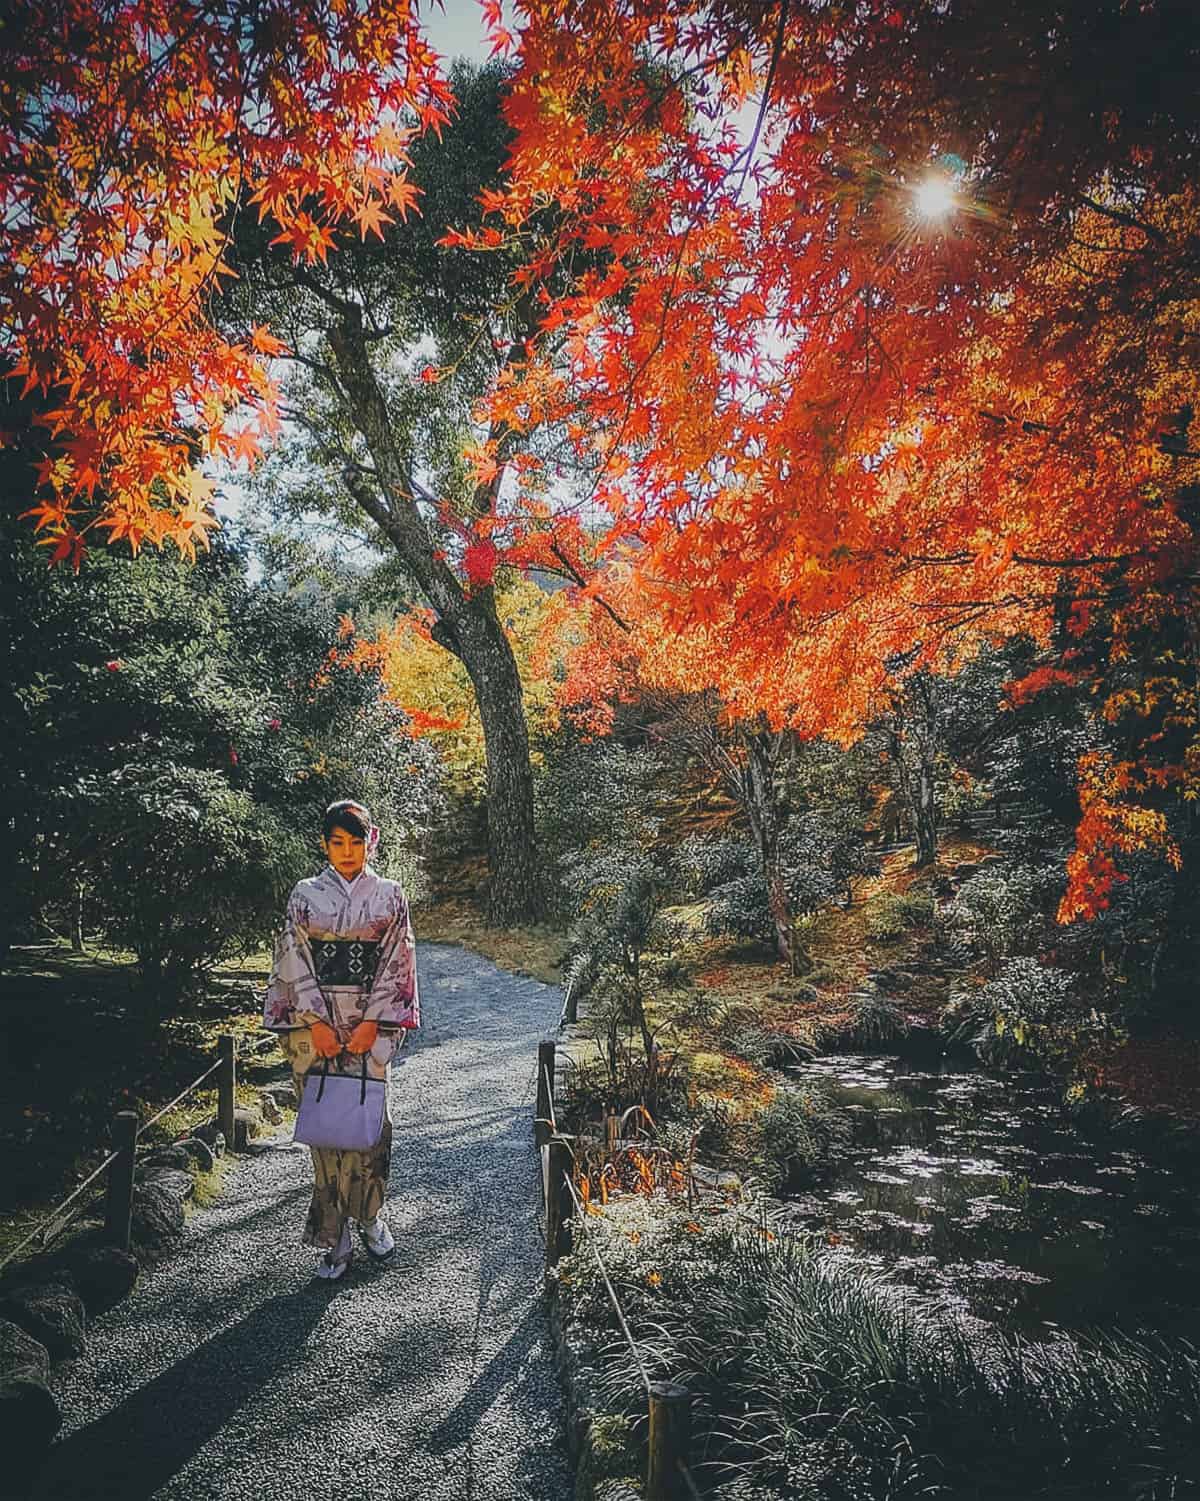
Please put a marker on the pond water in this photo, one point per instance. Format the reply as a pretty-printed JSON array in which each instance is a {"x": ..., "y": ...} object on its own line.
[{"x": 976, "y": 1190}]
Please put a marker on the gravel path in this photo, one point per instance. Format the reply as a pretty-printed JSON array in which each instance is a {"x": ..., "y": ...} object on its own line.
[{"x": 233, "y": 1372}]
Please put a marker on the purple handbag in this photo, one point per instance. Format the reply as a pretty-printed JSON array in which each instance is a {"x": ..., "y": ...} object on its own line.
[{"x": 341, "y": 1111}]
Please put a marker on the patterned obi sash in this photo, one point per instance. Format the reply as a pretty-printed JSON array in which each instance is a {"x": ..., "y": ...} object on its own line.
[{"x": 345, "y": 961}]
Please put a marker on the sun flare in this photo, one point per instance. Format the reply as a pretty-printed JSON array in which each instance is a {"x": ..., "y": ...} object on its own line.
[{"x": 934, "y": 198}]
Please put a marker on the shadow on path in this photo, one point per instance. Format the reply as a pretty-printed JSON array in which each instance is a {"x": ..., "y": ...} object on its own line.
[
  {"x": 168, "y": 1425},
  {"x": 425, "y": 1377}
]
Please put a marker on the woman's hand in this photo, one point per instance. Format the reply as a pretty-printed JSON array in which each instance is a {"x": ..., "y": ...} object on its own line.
[
  {"x": 325, "y": 1043},
  {"x": 362, "y": 1039}
]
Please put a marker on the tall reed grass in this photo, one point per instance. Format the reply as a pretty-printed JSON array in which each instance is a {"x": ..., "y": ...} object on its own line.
[{"x": 816, "y": 1381}]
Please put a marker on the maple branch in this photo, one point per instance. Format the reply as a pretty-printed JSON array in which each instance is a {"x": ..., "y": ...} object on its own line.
[
  {"x": 776, "y": 51},
  {"x": 964, "y": 558},
  {"x": 579, "y": 579},
  {"x": 1028, "y": 560},
  {"x": 501, "y": 436},
  {"x": 1121, "y": 217}
]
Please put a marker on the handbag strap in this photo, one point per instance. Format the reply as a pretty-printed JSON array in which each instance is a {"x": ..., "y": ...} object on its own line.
[
  {"x": 324, "y": 1076},
  {"x": 362, "y": 1094}
]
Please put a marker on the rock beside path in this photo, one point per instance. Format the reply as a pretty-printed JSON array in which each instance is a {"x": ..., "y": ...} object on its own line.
[
  {"x": 180, "y": 1185},
  {"x": 156, "y": 1224},
  {"x": 29, "y": 1414},
  {"x": 102, "y": 1274},
  {"x": 52, "y": 1313}
]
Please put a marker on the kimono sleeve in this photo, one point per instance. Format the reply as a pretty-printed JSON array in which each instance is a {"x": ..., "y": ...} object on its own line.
[
  {"x": 293, "y": 988},
  {"x": 394, "y": 1000}
]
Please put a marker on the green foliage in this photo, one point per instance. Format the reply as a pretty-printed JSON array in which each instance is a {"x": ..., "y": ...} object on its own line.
[
  {"x": 997, "y": 912},
  {"x": 740, "y": 908},
  {"x": 892, "y": 914},
  {"x": 764, "y": 1046},
  {"x": 703, "y": 862},
  {"x": 823, "y": 851},
  {"x": 189, "y": 868},
  {"x": 799, "y": 1137},
  {"x": 169, "y": 735},
  {"x": 815, "y": 1381},
  {"x": 878, "y": 1021},
  {"x": 1029, "y": 1013},
  {"x": 590, "y": 801}
]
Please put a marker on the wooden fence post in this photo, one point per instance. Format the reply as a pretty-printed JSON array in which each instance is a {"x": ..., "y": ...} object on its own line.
[
  {"x": 544, "y": 1109},
  {"x": 670, "y": 1434},
  {"x": 227, "y": 1088},
  {"x": 119, "y": 1208},
  {"x": 571, "y": 1007},
  {"x": 558, "y": 1201}
]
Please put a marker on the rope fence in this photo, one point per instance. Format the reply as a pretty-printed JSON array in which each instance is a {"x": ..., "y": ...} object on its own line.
[
  {"x": 668, "y": 1402},
  {"x": 121, "y": 1163}
]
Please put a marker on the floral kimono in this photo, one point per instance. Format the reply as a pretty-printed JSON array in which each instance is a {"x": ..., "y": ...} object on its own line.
[{"x": 346, "y": 955}]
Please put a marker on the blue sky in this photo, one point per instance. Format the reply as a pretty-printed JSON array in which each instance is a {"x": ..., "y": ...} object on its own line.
[{"x": 457, "y": 29}]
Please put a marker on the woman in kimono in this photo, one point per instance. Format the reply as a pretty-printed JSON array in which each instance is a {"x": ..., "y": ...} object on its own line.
[{"x": 344, "y": 984}]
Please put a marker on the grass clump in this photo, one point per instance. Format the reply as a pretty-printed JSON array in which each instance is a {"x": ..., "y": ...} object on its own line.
[
  {"x": 892, "y": 914},
  {"x": 816, "y": 1381},
  {"x": 876, "y": 1021}
]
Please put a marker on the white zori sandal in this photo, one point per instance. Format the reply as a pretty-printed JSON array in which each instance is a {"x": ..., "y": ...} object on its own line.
[
  {"x": 332, "y": 1265},
  {"x": 378, "y": 1238}
]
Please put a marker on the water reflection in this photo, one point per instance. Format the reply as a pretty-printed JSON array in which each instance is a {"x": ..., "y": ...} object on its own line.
[{"x": 975, "y": 1189}]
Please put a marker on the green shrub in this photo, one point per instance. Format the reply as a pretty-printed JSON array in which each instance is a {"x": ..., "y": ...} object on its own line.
[
  {"x": 996, "y": 912},
  {"x": 1029, "y": 1013},
  {"x": 740, "y": 908},
  {"x": 190, "y": 868},
  {"x": 799, "y": 1137},
  {"x": 876, "y": 1020},
  {"x": 765, "y": 1047},
  {"x": 705, "y": 861},
  {"x": 892, "y": 914},
  {"x": 591, "y": 800}
]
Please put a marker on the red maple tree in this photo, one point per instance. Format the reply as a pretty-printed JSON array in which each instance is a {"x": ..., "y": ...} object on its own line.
[
  {"x": 128, "y": 136},
  {"x": 909, "y": 362}
]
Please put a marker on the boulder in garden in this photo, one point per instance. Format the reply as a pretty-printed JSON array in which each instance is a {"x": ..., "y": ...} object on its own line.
[
  {"x": 177, "y": 1157},
  {"x": 156, "y": 1226},
  {"x": 200, "y": 1152},
  {"x": 51, "y": 1313},
  {"x": 102, "y": 1274},
  {"x": 180, "y": 1185},
  {"x": 29, "y": 1415}
]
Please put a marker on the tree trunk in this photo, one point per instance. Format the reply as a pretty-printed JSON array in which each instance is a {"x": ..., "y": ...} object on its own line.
[
  {"x": 516, "y": 888},
  {"x": 467, "y": 626},
  {"x": 913, "y": 742},
  {"x": 925, "y": 814},
  {"x": 761, "y": 806},
  {"x": 77, "y": 919}
]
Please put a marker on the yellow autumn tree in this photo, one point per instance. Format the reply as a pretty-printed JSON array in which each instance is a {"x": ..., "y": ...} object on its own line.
[{"x": 433, "y": 687}]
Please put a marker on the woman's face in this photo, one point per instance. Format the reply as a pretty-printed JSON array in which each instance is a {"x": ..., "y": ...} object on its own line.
[{"x": 346, "y": 852}]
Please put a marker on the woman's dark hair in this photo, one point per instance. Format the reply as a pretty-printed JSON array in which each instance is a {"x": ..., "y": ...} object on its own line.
[{"x": 348, "y": 815}]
